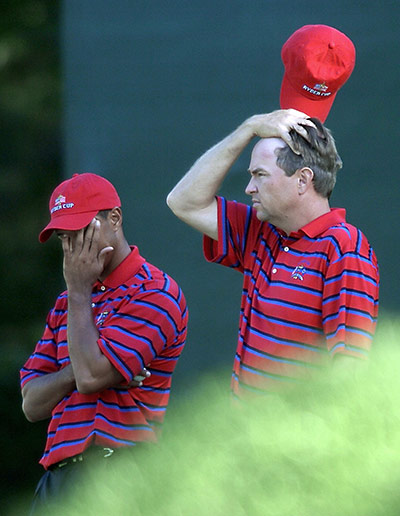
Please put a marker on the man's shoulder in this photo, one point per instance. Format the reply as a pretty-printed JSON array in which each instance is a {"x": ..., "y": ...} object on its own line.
[
  {"x": 343, "y": 232},
  {"x": 150, "y": 278},
  {"x": 234, "y": 206},
  {"x": 349, "y": 239},
  {"x": 61, "y": 301},
  {"x": 237, "y": 210}
]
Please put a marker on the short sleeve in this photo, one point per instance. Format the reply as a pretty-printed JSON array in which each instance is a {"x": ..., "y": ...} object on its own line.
[
  {"x": 236, "y": 227},
  {"x": 44, "y": 358},
  {"x": 140, "y": 330}
]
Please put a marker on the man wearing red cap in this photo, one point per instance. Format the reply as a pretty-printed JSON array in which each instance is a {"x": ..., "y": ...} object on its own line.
[
  {"x": 121, "y": 321},
  {"x": 310, "y": 279}
]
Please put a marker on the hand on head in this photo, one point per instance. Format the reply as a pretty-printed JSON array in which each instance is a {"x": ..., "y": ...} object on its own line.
[
  {"x": 279, "y": 123},
  {"x": 84, "y": 255}
]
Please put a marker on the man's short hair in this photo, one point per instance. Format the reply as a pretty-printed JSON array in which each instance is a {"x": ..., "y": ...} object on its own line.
[
  {"x": 319, "y": 154},
  {"x": 103, "y": 213}
]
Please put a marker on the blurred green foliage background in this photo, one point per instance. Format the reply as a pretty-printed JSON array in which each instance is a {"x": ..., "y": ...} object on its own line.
[
  {"x": 328, "y": 448},
  {"x": 30, "y": 161}
]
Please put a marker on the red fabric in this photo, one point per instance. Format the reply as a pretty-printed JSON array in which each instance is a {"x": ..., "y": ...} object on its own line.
[
  {"x": 318, "y": 60},
  {"x": 306, "y": 296},
  {"x": 75, "y": 202},
  {"x": 141, "y": 316}
]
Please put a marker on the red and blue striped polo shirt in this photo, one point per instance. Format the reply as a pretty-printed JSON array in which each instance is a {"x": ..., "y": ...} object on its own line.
[
  {"x": 141, "y": 316},
  {"x": 306, "y": 296}
]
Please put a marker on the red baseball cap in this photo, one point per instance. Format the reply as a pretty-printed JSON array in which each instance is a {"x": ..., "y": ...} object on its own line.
[
  {"x": 318, "y": 60},
  {"x": 75, "y": 202}
]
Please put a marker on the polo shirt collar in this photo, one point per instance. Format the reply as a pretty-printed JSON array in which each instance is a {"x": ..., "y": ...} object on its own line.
[
  {"x": 125, "y": 270},
  {"x": 320, "y": 224}
]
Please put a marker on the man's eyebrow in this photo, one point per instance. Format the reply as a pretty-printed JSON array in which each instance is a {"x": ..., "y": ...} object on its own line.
[{"x": 254, "y": 171}]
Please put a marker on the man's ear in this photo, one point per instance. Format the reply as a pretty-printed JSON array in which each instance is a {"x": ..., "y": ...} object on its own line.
[
  {"x": 115, "y": 218},
  {"x": 305, "y": 177}
]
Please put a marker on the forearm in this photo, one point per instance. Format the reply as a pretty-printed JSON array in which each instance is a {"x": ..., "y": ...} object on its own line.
[
  {"x": 199, "y": 186},
  {"x": 93, "y": 371},
  {"x": 42, "y": 394},
  {"x": 193, "y": 198}
]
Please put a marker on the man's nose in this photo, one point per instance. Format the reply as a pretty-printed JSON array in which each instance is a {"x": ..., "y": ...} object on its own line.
[{"x": 250, "y": 188}]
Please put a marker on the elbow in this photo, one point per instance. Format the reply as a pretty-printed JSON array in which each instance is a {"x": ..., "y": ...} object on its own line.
[
  {"x": 176, "y": 206},
  {"x": 88, "y": 385},
  {"x": 171, "y": 202},
  {"x": 96, "y": 379},
  {"x": 29, "y": 412},
  {"x": 85, "y": 387}
]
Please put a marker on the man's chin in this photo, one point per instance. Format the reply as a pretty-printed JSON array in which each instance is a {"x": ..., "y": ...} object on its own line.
[{"x": 261, "y": 216}]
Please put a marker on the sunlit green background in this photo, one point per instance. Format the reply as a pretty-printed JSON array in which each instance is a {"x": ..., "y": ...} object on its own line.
[
  {"x": 329, "y": 448},
  {"x": 137, "y": 91}
]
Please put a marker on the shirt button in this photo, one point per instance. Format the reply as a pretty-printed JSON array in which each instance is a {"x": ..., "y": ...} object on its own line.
[
  {"x": 274, "y": 271},
  {"x": 286, "y": 249},
  {"x": 93, "y": 305},
  {"x": 102, "y": 288}
]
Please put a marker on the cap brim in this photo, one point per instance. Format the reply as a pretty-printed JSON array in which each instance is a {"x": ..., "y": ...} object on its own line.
[
  {"x": 68, "y": 223},
  {"x": 290, "y": 98}
]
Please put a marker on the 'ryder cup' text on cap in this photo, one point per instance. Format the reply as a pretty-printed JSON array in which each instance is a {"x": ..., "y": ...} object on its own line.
[
  {"x": 315, "y": 92},
  {"x": 62, "y": 206}
]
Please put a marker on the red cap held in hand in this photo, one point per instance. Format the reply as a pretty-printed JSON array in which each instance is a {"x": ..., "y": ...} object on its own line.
[
  {"x": 318, "y": 60},
  {"x": 75, "y": 202}
]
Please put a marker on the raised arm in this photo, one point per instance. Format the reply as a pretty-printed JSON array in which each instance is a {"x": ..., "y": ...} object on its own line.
[{"x": 193, "y": 198}]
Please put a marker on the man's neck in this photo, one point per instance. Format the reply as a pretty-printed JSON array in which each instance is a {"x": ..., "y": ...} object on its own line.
[
  {"x": 305, "y": 215},
  {"x": 119, "y": 254}
]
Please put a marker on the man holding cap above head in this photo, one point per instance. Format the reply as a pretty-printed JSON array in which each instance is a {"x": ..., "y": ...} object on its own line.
[
  {"x": 102, "y": 370},
  {"x": 318, "y": 60},
  {"x": 310, "y": 279}
]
